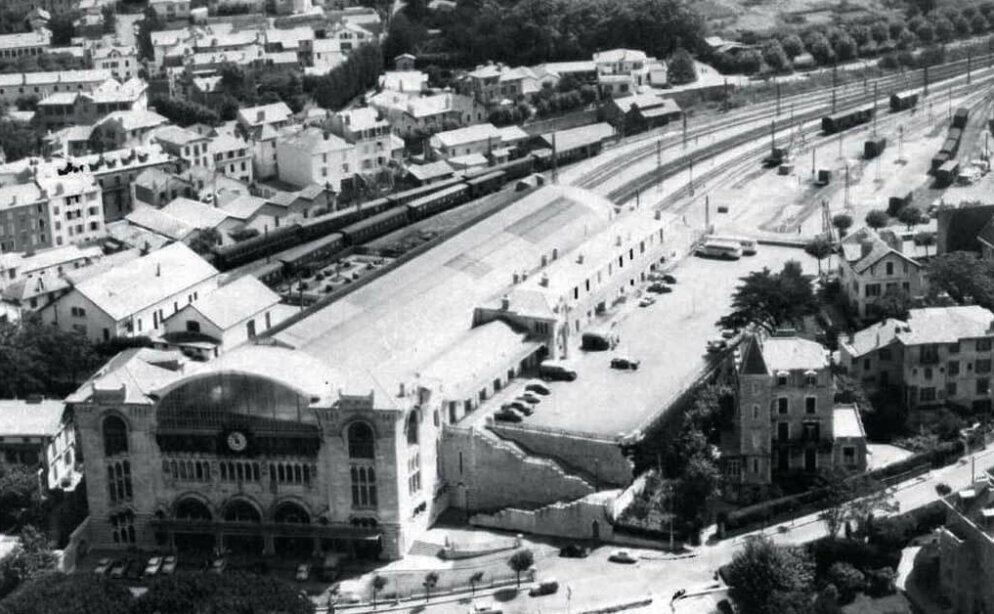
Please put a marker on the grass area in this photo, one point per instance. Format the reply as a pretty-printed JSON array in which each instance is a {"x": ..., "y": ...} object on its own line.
[{"x": 767, "y": 15}]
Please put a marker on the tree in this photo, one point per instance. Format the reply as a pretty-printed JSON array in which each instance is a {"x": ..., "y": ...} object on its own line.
[
  {"x": 771, "y": 300},
  {"x": 149, "y": 23},
  {"x": 21, "y": 504},
  {"x": 844, "y": 47},
  {"x": 964, "y": 276},
  {"x": 762, "y": 569},
  {"x": 379, "y": 583},
  {"x": 944, "y": 29},
  {"x": 475, "y": 579},
  {"x": 38, "y": 358},
  {"x": 879, "y": 32},
  {"x": 62, "y": 27},
  {"x": 820, "y": 49},
  {"x": 819, "y": 248},
  {"x": 962, "y": 25},
  {"x": 925, "y": 239},
  {"x": 895, "y": 303},
  {"x": 792, "y": 45},
  {"x": 205, "y": 241},
  {"x": 680, "y": 68},
  {"x": 31, "y": 558},
  {"x": 430, "y": 581},
  {"x": 877, "y": 219},
  {"x": 20, "y": 139},
  {"x": 184, "y": 112},
  {"x": 842, "y": 222},
  {"x": 520, "y": 561},
  {"x": 56, "y": 593},
  {"x": 847, "y": 579},
  {"x": 925, "y": 32},
  {"x": 110, "y": 19},
  {"x": 750, "y": 61},
  {"x": 229, "y": 593},
  {"x": 700, "y": 483},
  {"x": 775, "y": 56},
  {"x": 853, "y": 498},
  {"x": 979, "y": 24},
  {"x": 909, "y": 216}
]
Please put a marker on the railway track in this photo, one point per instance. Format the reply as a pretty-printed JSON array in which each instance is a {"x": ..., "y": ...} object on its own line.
[{"x": 815, "y": 111}]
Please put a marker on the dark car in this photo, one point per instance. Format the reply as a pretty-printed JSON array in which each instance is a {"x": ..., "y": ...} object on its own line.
[
  {"x": 538, "y": 388},
  {"x": 519, "y": 406},
  {"x": 574, "y": 551},
  {"x": 660, "y": 289},
  {"x": 120, "y": 569},
  {"x": 624, "y": 363},
  {"x": 506, "y": 415},
  {"x": 103, "y": 566},
  {"x": 669, "y": 279}
]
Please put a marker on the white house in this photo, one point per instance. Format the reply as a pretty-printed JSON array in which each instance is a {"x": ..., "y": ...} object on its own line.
[{"x": 313, "y": 156}]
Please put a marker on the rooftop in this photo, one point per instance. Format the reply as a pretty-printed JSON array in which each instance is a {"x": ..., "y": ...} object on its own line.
[
  {"x": 19, "y": 195},
  {"x": 947, "y": 324},
  {"x": 160, "y": 222},
  {"x": 135, "y": 120},
  {"x": 847, "y": 423},
  {"x": 792, "y": 353},
  {"x": 130, "y": 287},
  {"x": 243, "y": 206},
  {"x": 363, "y": 118},
  {"x": 316, "y": 141},
  {"x": 410, "y": 81},
  {"x": 469, "y": 134},
  {"x": 230, "y": 304},
  {"x": 432, "y": 170},
  {"x": 647, "y": 101},
  {"x": 138, "y": 371},
  {"x": 619, "y": 55},
  {"x": 29, "y": 419},
  {"x": 265, "y": 114},
  {"x": 40, "y": 38},
  {"x": 176, "y": 135},
  {"x": 567, "y": 140},
  {"x": 45, "y": 258},
  {"x": 226, "y": 142},
  {"x": 195, "y": 213}
]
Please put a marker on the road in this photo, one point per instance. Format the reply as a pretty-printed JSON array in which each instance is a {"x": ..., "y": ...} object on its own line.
[{"x": 596, "y": 582}]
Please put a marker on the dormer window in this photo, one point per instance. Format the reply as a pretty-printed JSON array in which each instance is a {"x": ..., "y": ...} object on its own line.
[
  {"x": 810, "y": 379},
  {"x": 782, "y": 377}
]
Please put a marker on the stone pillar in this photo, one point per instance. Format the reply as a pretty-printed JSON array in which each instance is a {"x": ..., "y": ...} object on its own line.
[{"x": 268, "y": 548}]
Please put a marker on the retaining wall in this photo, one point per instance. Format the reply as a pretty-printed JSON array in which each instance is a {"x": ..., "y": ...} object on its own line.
[
  {"x": 600, "y": 459},
  {"x": 587, "y": 518}
]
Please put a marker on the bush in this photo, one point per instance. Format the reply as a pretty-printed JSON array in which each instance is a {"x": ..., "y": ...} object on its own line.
[
  {"x": 943, "y": 489},
  {"x": 847, "y": 579},
  {"x": 880, "y": 582},
  {"x": 862, "y": 556}
]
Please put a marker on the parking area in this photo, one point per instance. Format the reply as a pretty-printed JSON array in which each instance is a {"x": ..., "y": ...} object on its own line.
[{"x": 668, "y": 340}]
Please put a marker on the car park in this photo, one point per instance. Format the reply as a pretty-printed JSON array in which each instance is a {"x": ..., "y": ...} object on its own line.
[
  {"x": 659, "y": 288},
  {"x": 624, "y": 363},
  {"x": 621, "y": 556},
  {"x": 574, "y": 551},
  {"x": 519, "y": 406},
  {"x": 303, "y": 572},
  {"x": 538, "y": 388},
  {"x": 103, "y": 566},
  {"x": 647, "y": 301},
  {"x": 153, "y": 567},
  {"x": 169, "y": 565},
  {"x": 556, "y": 370},
  {"x": 547, "y": 586}
]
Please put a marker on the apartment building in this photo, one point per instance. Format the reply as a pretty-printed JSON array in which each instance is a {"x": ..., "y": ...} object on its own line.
[
  {"x": 494, "y": 83},
  {"x": 24, "y": 218},
  {"x": 171, "y": 10},
  {"x": 46, "y": 264},
  {"x": 119, "y": 60},
  {"x": 621, "y": 71},
  {"x": 424, "y": 116},
  {"x": 872, "y": 266},
  {"x": 75, "y": 208},
  {"x": 939, "y": 355},
  {"x": 369, "y": 132},
  {"x": 966, "y": 548},
  {"x": 786, "y": 421},
  {"x": 42, "y": 84},
  {"x": 75, "y": 108},
  {"x": 232, "y": 157},
  {"x": 263, "y": 124},
  {"x": 126, "y": 129},
  {"x": 27, "y": 430},
  {"x": 133, "y": 299},
  {"x": 23, "y": 44},
  {"x": 318, "y": 157},
  {"x": 190, "y": 147},
  {"x": 466, "y": 146}
]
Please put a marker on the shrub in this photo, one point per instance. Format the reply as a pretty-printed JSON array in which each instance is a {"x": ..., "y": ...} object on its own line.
[
  {"x": 943, "y": 489},
  {"x": 880, "y": 582},
  {"x": 847, "y": 579}
]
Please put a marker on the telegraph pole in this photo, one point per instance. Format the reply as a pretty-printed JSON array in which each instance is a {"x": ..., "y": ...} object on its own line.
[
  {"x": 684, "y": 130},
  {"x": 848, "y": 203},
  {"x": 555, "y": 163},
  {"x": 925, "y": 81},
  {"x": 813, "y": 168},
  {"x": 776, "y": 84},
  {"x": 773, "y": 135},
  {"x": 969, "y": 65},
  {"x": 833, "y": 99},
  {"x": 691, "y": 176},
  {"x": 659, "y": 164},
  {"x": 900, "y": 143},
  {"x": 707, "y": 213},
  {"x": 874, "y": 108}
]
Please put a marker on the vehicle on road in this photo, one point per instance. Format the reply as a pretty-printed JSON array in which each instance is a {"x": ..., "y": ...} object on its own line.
[
  {"x": 484, "y": 607},
  {"x": 347, "y": 592},
  {"x": 153, "y": 567},
  {"x": 529, "y": 398},
  {"x": 647, "y": 302},
  {"x": 749, "y": 246},
  {"x": 621, "y": 556},
  {"x": 303, "y": 572},
  {"x": 624, "y": 363},
  {"x": 728, "y": 333},
  {"x": 544, "y": 587},
  {"x": 520, "y": 405},
  {"x": 218, "y": 565},
  {"x": 120, "y": 568},
  {"x": 574, "y": 551},
  {"x": 506, "y": 415},
  {"x": 538, "y": 388},
  {"x": 670, "y": 279},
  {"x": 722, "y": 250},
  {"x": 556, "y": 370},
  {"x": 103, "y": 566},
  {"x": 659, "y": 288},
  {"x": 598, "y": 340},
  {"x": 717, "y": 345},
  {"x": 169, "y": 565}
]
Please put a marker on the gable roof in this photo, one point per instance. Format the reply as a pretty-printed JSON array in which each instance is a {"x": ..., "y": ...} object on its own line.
[
  {"x": 265, "y": 114},
  {"x": 791, "y": 353},
  {"x": 236, "y": 301},
  {"x": 20, "y": 418},
  {"x": 160, "y": 222},
  {"x": 138, "y": 371},
  {"x": 195, "y": 214},
  {"x": 126, "y": 289},
  {"x": 469, "y": 134}
]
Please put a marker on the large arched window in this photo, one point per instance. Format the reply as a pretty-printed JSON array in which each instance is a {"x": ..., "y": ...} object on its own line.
[
  {"x": 242, "y": 511},
  {"x": 192, "y": 509},
  {"x": 119, "y": 481},
  {"x": 363, "y": 487},
  {"x": 291, "y": 513},
  {"x": 412, "y": 428},
  {"x": 361, "y": 441},
  {"x": 115, "y": 436}
]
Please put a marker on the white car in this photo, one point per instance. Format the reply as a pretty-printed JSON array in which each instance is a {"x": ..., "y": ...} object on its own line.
[
  {"x": 646, "y": 301},
  {"x": 154, "y": 566}
]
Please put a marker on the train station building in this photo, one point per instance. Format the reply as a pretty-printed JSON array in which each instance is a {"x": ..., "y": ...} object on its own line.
[{"x": 326, "y": 433}]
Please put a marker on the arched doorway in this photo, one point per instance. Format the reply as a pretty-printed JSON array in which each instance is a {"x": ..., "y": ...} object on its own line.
[
  {"x": 291, "y": 513},
  {"x": 243, "y": 512},
  {"x": 199, "y": 542}
]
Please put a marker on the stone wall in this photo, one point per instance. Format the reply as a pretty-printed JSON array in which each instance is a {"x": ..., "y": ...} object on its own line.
[
  {"x": 486, "y": 473},
  {"x": 600, "y": 460},
  {"x": 586, "y": 518}
]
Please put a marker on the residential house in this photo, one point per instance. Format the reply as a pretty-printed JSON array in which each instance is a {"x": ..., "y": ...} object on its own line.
[
  {"x": 411, "y": 82},
  {"x": 171, "y": 10},
  {"x": 422, "y": 117},
  {"x": 201, "y": 216},
  {"x": 404, "y": 63},
  {"x": 640, "y": 112},
  {"x": 75, "y": 207},
  {"x": 120, "y": 60},
  {"x": 470, "y": 146},
  {"x": 69, "y": 141},
  {"x": 123, "y": 129},
  {"x": 370, "y": 134},
  {"x": 786, "y": 421},
  {"x": 966, "y": 548},
  {"x": 313, "y": 156},
  {"x": 116, "y": 170},
  {"x": 621, "y": 71},
  {"x": 232, "y": 157},
  {"x": 135, "y": 298},
  {"x": 63, "y": 108},
  {"x": 165, "y": 226},
  {"x": 46, "y": 264},
  {"x": 169, "y": 47},
  {"x": 584, "y": 72},
  {"x": 234, "y": 314},
  {"x": 939, "y": 355},
  {"x": 27, "y": 428},
  {"x": 63, "y": 463},
  {"x": 42, "y": 84},
  {"x": 156, "y": 187},
  {"x": 494, "y": 83},
  {"x": 872, "y": 266},
  {"x": 24, "y": 218},
  {"x": 299, "y": 40},
  {"x": 24, "y": 44},
  {"x": 262, "y": 124},
  {"x": 327, "y": 54},
  {"x": 185, "y": 144}
]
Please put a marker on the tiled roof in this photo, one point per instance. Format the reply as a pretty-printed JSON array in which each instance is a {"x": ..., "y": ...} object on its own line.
[
  {"x": 26, "y": 419},
  {"x": 469, "y": 134},
  {"x": 314, "y": 141},
  {"x": 619, "y": 55},
  {"x": 195, "y": 214}
]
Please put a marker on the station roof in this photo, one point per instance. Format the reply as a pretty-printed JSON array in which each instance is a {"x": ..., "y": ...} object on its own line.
[
  {"x": 567, "y": 140},
  {"x": 383, "y": 334}
]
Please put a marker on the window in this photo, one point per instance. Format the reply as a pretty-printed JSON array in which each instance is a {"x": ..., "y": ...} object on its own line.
[
  {"x": 782, "y": 380},
  {"x": 734, "y": 468},
  {"x": 984, "y": 365},
  {"x": 810, "y": 380},
  {"x": 77, "y": 312},
  {"x": 123, "y": 527},
  {"x": 872, "y": 289},
  {"x": 890, "y": 268},
  {"x": 755, "y": 412},
  {"x": 251, "y": 329},
  {"x": 412, "y": 429},
  {"x": 953, "y": 367},
  {"x": 115, "y": 433},
  {"x": 363, "y": 487},
  {"x": 849, "y": 456},
  {"x": 954, "y": 348},
  {"x": 414, "y": 473},
  {"x": 812, "y": 431},
  {"x": 926, "y": 394},
  {"x": 783, "y": 431},
  {"x": 951, "y": 389},
  {"x": 929, "y": 354},
  {"x": 928, "y": 372},
  {"x": 755, "y": 465},
  {"x": 810, "y": 405},
  {"x": 119, "y": 481},
  {"x": 983, "y": 345},
  {"x": 361, "y": 441},
  {"x": 983, "y": 385},
  {"x": 783, "y": 405}
]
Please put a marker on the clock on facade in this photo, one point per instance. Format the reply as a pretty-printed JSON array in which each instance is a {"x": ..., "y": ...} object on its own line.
[{"x": 237, "y": 441}]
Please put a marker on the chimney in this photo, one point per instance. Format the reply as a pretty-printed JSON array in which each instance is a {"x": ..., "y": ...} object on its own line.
[
  {"x": 544, "y": 282},
  {"x": 658, "y": 215},
  {"x": 517, "y": 277},
  {"x": 158, "y": 269},
  {"x": 617, "y": 241},
  {"x": 13, "y": 199},
  {"x": 545, "y": 260},
  {"x": 401, "y": 389},
  {"x": 348, "y": 119},
  {"x": 327, "y": 135},
  {"x": 505, "y": 303},
  {"x": 58, "y": 188},
  {"x": 260, "y": 116},
  {"x": 555, "y": 253},
  {"x": 579, "y": 259}
]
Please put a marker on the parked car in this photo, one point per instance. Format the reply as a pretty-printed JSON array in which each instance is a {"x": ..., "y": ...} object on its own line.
[
  {"x": 647, "y": 301},
  {"x": 544, "y": 587},
  {"x": 303, "y": 572},
  {"x": 153, "y": 567},
  {"x": 658, "y": 288},
  {"x": 120, "y": 568},
  {"x": 506, "y": 415},
  {"x": 624, "y": 363},
  {"x": 519, "y": 406},
  {"x": 621, "y": 556},
  {"x": 484, "y": 608},
  {"x": 669, "y": 279},
  {"x": 728, "y": 333},
  {"x": 538, "y": 388},
  {"x": 717, "y": 345},
  {"x": 103, "y": 566},
  {"x": 574, "y": 551},
  {"x": 169, "y": 565},
  {"x": 529, "y": 398},
  {"x": 219, "y": 565}
]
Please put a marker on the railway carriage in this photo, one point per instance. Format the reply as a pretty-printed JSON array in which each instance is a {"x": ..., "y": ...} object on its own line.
[
  {"x": 438, "y": 202},
  {"x": 960, "y": 117},
  {"x": 902, "y": 101},
  {"x": 947, "y": 173},
  {"x": 831, "y": 124},
  {"x": 486, "y": 183},
  {"x": 313, "y": 253},
  {"x": 376, "y": 226},
  {"x": 402, "y": 198},
  {"x": 237, "y": 254}
]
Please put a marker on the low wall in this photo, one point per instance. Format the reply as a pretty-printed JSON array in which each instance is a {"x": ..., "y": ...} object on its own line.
[
  {"x": 485, "y": 473},
  {"x": 77, "y": 547},
  {"x": 600, "y": 459},
  {"x": 587, "y": 518}
]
